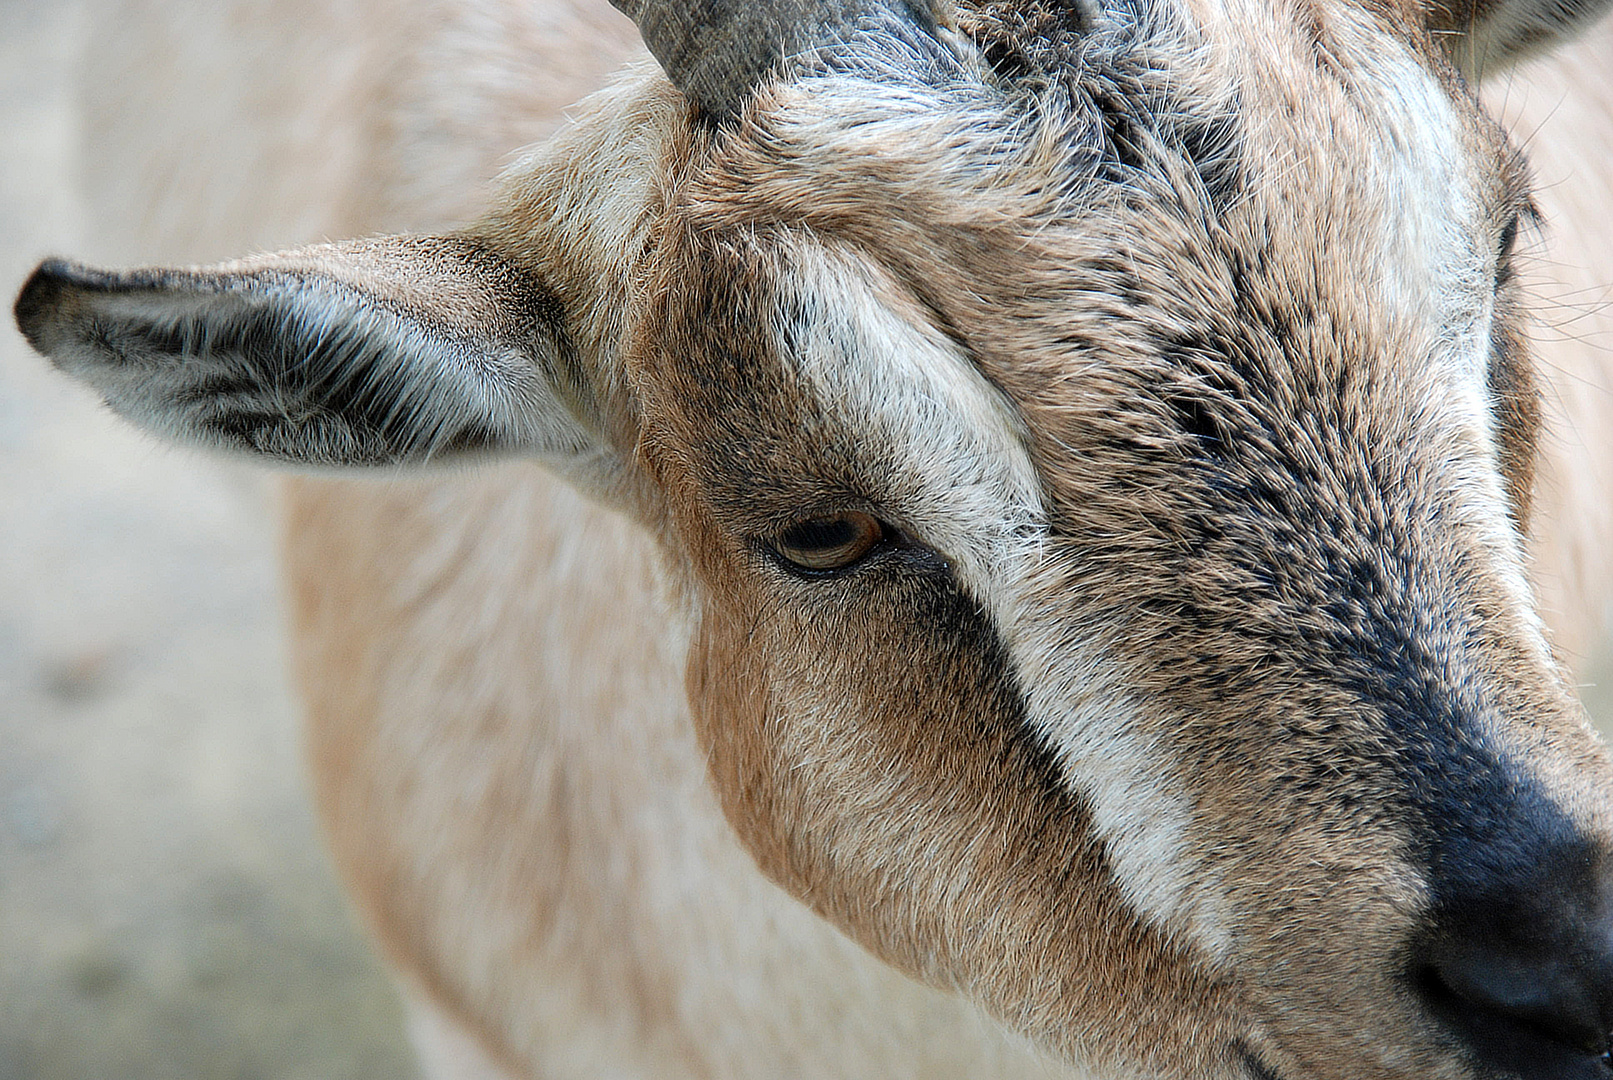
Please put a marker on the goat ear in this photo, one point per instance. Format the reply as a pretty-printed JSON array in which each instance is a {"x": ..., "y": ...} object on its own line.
[
  {"x": 1484, "y": 37},
  {"x": 390, "y": 351}
]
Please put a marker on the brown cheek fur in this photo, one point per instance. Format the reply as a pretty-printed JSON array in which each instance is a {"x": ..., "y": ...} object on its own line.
[{"x": 916, "y": 814}]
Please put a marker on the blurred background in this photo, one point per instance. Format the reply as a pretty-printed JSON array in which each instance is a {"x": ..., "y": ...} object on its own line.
[{"x": 166, "y": 907}]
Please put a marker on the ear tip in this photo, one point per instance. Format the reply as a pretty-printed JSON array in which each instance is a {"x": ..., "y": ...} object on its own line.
[
  {"x": 41, "y": 298},
  {"x": 43, "y": 301}
]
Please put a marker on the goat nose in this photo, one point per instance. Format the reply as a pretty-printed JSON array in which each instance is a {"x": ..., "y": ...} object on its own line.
[
  {"x": 1529, "y": 980},
  {"x": 1556, "y": 990}
]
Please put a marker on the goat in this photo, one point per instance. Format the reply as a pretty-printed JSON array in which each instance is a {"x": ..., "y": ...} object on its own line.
[{"x": 1012, "y": 553}]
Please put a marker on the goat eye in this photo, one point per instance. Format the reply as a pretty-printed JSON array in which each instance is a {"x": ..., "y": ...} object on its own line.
[{"x": 829, "y": 543}]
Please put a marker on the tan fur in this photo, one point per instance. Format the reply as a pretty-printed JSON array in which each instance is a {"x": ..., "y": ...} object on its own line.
[{"x": 618, "y": 798}]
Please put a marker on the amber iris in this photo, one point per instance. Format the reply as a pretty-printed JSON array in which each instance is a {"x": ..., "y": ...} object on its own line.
[{"x": 829, "y": 543}]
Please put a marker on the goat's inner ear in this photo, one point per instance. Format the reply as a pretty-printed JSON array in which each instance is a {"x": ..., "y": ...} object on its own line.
[{"x": 393, "y": 351}]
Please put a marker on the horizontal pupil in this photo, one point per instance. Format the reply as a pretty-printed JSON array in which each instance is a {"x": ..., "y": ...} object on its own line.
[{"x": 820, "y": 534}]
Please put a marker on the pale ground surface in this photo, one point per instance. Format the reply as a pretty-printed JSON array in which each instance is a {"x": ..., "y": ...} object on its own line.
[{"x": 166, "y": 909}]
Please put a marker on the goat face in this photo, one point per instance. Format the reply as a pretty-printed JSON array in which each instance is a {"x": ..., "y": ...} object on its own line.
[{"x": 1091, "y": 451}]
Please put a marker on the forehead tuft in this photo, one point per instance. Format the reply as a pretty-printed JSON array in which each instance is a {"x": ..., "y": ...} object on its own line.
[{"x": 1224, "y": 110}]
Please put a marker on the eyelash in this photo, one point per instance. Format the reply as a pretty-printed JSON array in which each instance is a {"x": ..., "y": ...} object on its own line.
[
  {"x": 1507, "y": 245},
  {"x": 1509, "y": 237}
]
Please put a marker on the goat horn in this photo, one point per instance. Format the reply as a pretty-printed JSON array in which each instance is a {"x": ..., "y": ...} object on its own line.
[{"x": 717, "y": 51}]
